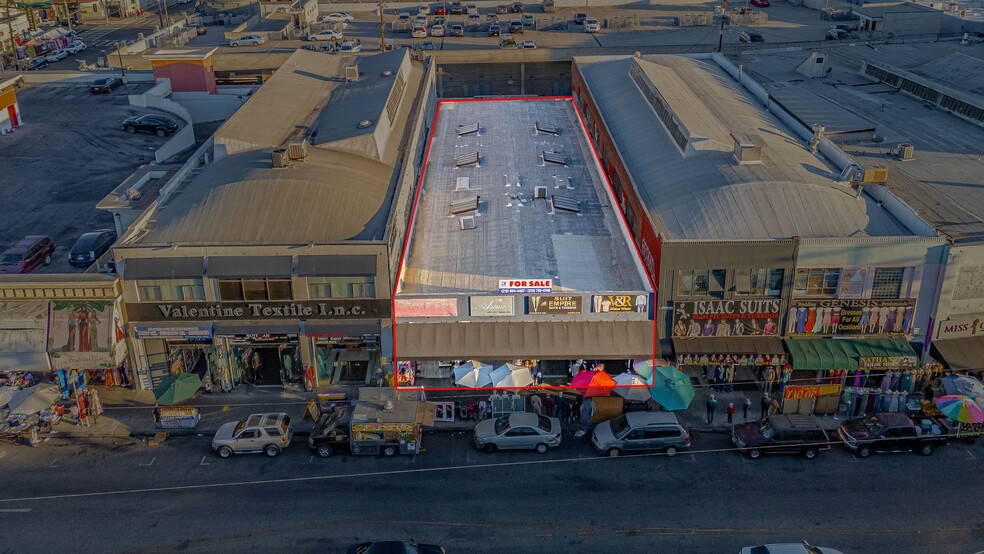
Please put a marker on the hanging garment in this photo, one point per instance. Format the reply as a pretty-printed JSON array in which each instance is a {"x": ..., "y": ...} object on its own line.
[
  {"x": 885, "y": 382},
  {"x": 857, "y": 378},
  {"x": 890, "y": 321},
  {"x": 843, "y": 378},
  {"x": 791, "y": 321},
  {"x": 903, "y": 401},
  {"x": 818, "y": 321},
  {"x": 906, "y": 319},
  {"x": 801, "y": 320},
  {"x": 827, "y": 315},
  {"x": 811, "y": 319},
  {"x": 885, "y": 402},
  {"x": 905, "y": 381}
]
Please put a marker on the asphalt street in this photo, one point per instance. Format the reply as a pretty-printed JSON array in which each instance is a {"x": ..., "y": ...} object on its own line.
[{"x": 126, "y": 496}]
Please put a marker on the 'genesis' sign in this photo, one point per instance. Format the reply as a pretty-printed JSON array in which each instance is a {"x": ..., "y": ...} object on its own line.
[{"x": 327, "y": 309}]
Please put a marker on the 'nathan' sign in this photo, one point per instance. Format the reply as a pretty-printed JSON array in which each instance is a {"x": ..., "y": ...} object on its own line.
[{"x": 525, "y": 286}]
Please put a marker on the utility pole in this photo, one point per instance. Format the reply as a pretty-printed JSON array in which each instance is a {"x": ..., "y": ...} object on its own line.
[
  {"x": 10, "y": 33},
  {"x": 119, "y": 52},
  {"x": 68, "y": 15},
  {"x": 381, "y": 5},
  {"x": 160, "y": 13},
  {"x": 724, "y": 14}
]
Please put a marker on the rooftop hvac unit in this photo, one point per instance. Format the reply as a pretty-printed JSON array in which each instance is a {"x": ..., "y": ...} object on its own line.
[
  {"x": 297, "y": 148},
  {"x": 469, "y": 204},
  {"x": 280, "y": 158},
  {"x": 875, "y": 175},
  {"x": 467, "y": 222},
  {"x": 907, "y": 152},
  {"x": 748, "y": 148},
  {"x": 539, "y": 192},
  {"x": 565, "y": 204},
  {"x": 351, "y": 73}
]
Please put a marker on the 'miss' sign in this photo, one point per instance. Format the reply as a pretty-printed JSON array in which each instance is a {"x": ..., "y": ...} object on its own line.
[{"x": 525, "y": 286}]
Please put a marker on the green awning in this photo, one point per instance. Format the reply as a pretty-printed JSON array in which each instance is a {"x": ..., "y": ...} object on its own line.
[{"x": 816, "y": 354}]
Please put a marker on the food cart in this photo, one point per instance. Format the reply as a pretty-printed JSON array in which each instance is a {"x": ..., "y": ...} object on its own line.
[{"x": 388, "y": 422}]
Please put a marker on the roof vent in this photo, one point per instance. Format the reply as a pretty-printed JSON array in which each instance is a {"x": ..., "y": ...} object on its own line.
[
  {"x": 351, "y": 73},
  {"x": 469, "y": 158},
  {"x": 539, "y": 192},
  {"x": 748, "y": 148},
  {"x": 297, "y": 148},
  {"x": 465, "y": 205},
  {"x": 907, "y": 152},
  {"x": 564, "y": 204},
  {"x": 558, "y": 158},
  {"x": 466, "y": 222},
  {"x": 365, "y": 124},
  {"x": 387, "y": 73},
  {"x": 280, "y": 158}
]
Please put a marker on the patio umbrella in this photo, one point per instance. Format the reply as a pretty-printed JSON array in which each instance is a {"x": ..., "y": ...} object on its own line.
[
  {"x": 961, "y": 409},
  {"x": 632, "y": 387},
  {"x": 963, "y": 385},
  {"x": 473, "y": 374},
  {"x": 7, "y": 394},
  {"x": 671, "y": 388},
  {"x": 511, "y": 376},
  {"x": 33, "y": 399},
  {"x": 644, "y": 369},
  {"x": 593, "y": 383},
  {"x": 177, "y": 388}
]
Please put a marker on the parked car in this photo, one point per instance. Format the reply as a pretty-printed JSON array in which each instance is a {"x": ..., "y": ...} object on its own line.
[
  {"x": 160, "y": 125},
  {"x": 349, "y": 47},
  {"x": 507, "y": 41},
  {"x": 90, "y": 246},
  {"x": 331, "y": 432},
  {"x": 495, "y": 30},
  {"x": 515, "y": 26},
  {"x": 789, "y": 548},
  {"x": 420, "y": 19},
  {"x": 517, "y": 7},
  {"x": 437, "y": 31},
  {"x": 518, "y": 431},
  {"x": 892, "y": 432},
  {"x": 267, "y": 433},
  {"x": 529, "y": 44},
  {"x": 105, "y": 85},
  {"x": 201, "y": 30},
  {"x": 502, "y": 9},
  {"x": 528, "y": 21},
  {"x": 28, "y": 254},
  {"x": 338, "y": 17},
  {"x": 440, "y": 10},
  {"x": 750, "y": 36},
  {"x": 457, "y": 31},
  {"x": 591, "y": 25},
  {"x": 37, "y": 63},
  {"x": 439, "y": 20},
  {"x": 426, "y": 45},
  {"x": 185, "y": 1},
  {"x": 247, "y": 40},
  {"x": 837, "y": 34},
  {"x": 424, "y": 9},
  {"x": 418, "y": 31},
  {"x": 781, "y": 434},
  {"x": 325, "y": 34},
  {"x": 395, "y": 547},
  {"x": 640, "y": 432},
  {"x": 455, "y": 8},
  {"x": 548, "y": 6},
  {"x": 75, "y": 48},
  {"x": 471, "y": 9},
  {"x": 761, "y": 3},
  {"x": 845, "y": 27},
  {"x": 56, "y": 56},
  {"x": 579, "y": 18}
]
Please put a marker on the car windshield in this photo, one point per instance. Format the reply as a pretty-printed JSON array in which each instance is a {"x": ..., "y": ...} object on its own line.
[
  {"x": 239, "y": 428},
  {"x": 767, "y": 430},
  {"x": 620, "y": 425},
  {"x": 501, "y": 425},
  {"x": 10, "y": 259},
  {"x": 99, "y": 82},
  {"x": 873, "y": 425},
  {"x": 544, "y": 423}
]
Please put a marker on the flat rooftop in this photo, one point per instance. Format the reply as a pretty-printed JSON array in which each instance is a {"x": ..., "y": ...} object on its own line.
[
  {"x": 515, "y": 235},
  {"x": 942, "y": 183},
  {"x": 701, "y": 192},
  {"x": 70, "y": 153}
]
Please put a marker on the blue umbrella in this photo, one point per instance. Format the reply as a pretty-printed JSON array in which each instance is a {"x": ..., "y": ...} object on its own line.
[{"x": 671, "y": 388}]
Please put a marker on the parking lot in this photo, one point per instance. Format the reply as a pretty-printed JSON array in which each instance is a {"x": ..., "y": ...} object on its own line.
[{"x": 70, "y": 152}]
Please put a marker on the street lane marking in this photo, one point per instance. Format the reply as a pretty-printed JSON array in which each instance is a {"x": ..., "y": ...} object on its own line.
[
  {"x": 53, "y": 464},
  {"x": 15, "y": 510},
  {"x": 690, "y": 458},
  {"x": 151, "y": 462},
  {"x": 969, "y": 453},
  {"x": 204, "y": 463},
  {"x": 311, "y": 459}
]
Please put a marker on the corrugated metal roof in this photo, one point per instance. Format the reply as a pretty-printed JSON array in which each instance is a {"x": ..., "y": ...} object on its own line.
[{"x": 707, "y": 195}]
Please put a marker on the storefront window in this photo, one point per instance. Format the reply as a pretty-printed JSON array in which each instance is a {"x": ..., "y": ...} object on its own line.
[
  {"x": 239, "y": 290},
  {"x": 701, "y": 283},
  {"x": 816, "y": 282},
  {"x": 341, "y": 287},
  {"x": 758, "y": 282},
  {"x": 170, "y": 289},
  {"x": 888, "y": 282}
]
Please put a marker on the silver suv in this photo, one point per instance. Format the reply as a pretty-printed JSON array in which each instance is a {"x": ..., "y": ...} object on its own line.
[
  {"x": 640, "y": 432},
  {"x": 267, "y": 433}
]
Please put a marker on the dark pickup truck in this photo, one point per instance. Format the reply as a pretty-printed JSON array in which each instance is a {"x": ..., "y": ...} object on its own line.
[{"x": 893, "y": 433}]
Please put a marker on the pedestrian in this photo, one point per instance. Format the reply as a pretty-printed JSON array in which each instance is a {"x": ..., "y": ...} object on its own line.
[
  {"x": 745, "y": 406},
  {"x": 731, "y": 413},
  {"x": 537, "y": 404},
  {"x": 537, "y": 376},
  {"x": 766, "y": 403},
  {"x": 711, "y": 406}
]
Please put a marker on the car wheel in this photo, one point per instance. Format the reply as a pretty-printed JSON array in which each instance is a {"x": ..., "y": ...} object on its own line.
[
  {"x": 47, "y": 259},
  {"x": 755, "y": 453},
  {"x": 389, "y": 451},
  {"x": 225, "y": 452},
  {"x": 324, "y": 451},
  {"x": 614, "y": 453},
  {"x": 131, "y": 129},
  {"x": 235, "y": 45},
  {"x": 864, "y": 452},
  {"x": 671, "y": 451},
  {"x": 256, "y": 43},
  {"x": 160, "y": 132},
  {"x": 271, "y": 450},
  {"x": 491, "y": 448},
  {"x": 541, "y": 448},
  {"x": 927, "y": 450},
  {"x": 810, "y": 453}
]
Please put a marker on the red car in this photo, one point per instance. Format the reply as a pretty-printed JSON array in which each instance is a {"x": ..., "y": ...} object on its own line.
[
  {"x": 30, "y": 253},
  {"x": 761, "y": 3},
  {"x": 440, "y": 10}
]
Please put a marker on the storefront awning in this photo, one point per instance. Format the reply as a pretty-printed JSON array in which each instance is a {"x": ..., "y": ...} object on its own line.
[
  {"x": 163, "y": 268},
  {"x": 728, "y": 345},
  {"x": 336, "y": 329},
  {"x": 568, "y": 340},
  {"x": 24, "y": 361},
  {"x": 817, "y": 354},
  {"x": 258, "y": 328},
  {"x": 249, "y": 266},
  {"x": 964, "y": 353}
]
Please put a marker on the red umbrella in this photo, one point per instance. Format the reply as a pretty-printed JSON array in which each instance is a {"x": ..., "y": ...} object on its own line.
[{"x": 593, "y": 383}]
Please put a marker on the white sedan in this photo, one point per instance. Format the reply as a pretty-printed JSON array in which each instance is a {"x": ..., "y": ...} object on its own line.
[
  {"x": 75, "y": 47},
  {"x": 56, "y": 56},
  {"x": 349, "y": 47},
  {"x": 326, "y": 34},
  {"x": 338, "y": 16},
  {"x": 247, "y": 40}
]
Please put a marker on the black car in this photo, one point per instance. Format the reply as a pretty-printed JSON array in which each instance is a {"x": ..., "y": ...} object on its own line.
[
  {"x": 456, "y": 8},
  {"x": 331, "y": 432},
  {"x": 37, "y": 63},
  {"x": 395, "y": 547},
  {"x": 517, "y": 7},
  {"x": 105, "y": 85},
  {"x": 90, "y": 247},
  {"x": 158, "y": 124}
]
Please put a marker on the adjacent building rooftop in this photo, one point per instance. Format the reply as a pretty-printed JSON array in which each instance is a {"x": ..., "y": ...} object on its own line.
[{"x": 512, "y": 190}]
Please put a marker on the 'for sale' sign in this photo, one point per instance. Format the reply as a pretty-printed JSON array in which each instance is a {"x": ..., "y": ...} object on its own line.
[{"x": 525, "y": 286}]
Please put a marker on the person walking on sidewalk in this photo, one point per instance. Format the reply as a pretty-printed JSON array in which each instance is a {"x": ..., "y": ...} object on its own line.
[
  {"x": 731, "y": 413},
  {"x": 766, "y": 403},
  {"x": 745, "y": 406},
  {"x": 712, "y": 404}
]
